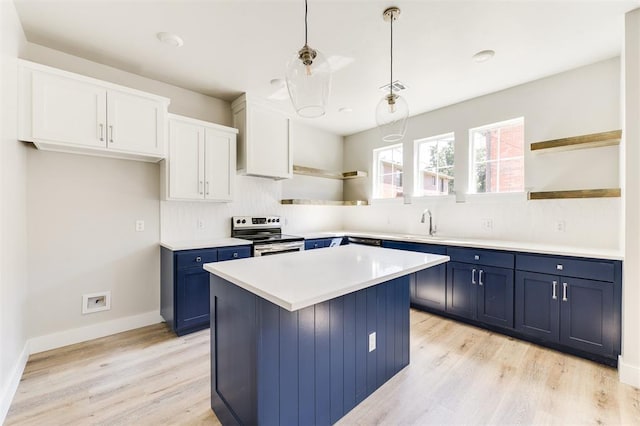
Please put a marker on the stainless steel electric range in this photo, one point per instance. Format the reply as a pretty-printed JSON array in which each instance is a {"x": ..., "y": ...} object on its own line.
[{"x": 266, "y": 234}]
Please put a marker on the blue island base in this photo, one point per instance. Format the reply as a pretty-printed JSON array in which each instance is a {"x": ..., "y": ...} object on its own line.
[{"x": 270, "y": 366}]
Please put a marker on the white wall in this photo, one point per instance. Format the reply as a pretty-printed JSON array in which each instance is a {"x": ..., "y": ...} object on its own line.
[
  {"x": 13, "y": 248},
  {"x": 81, "y": 215},
  {"x": 629, "y": 363},
  {"x": 259, "y": 196},
  {"x": 581, "y": 101}
]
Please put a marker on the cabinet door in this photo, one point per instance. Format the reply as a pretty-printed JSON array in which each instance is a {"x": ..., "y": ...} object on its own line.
[
  {"x": 135, "y": 123},
  {"x": 192, "y": 298},
  {"x": 461, "y": 289},
  {"x": 586, "y": 315},
  {"x": 268, "y": 151},
  {"x": 495, "y": 296},
  {"x": 186, "y": 161},
  {"x": 220, "y": 165},
  {"x": 537, "y": 305},
  {"x": 431, "y": 288},
  {"x": 68, "y": 111}
]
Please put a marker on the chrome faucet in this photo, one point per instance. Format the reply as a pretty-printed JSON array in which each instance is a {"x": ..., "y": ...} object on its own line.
[{"x": 432, "y": 230}]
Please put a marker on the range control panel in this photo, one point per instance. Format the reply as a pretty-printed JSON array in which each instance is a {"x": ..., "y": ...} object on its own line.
[{"x": 255, "y": 222}]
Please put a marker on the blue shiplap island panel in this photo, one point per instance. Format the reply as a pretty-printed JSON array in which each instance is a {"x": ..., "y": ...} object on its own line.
[{"x": 270, "y": 366}]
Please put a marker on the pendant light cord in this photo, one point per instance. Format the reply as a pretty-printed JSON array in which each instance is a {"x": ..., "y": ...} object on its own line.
[
  {"x": 305, "y": 22},
  {"x": 391, "y": 73}
]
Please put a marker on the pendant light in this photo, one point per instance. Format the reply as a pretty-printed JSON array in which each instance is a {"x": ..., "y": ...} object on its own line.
[
  {"x": 392, "y": 110},
  {"x": 308, "y": 79}
]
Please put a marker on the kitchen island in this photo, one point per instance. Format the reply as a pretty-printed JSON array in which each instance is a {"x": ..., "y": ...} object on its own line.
[{"x": 302, "y": 338}]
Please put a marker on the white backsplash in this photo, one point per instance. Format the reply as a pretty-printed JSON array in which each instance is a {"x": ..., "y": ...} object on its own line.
[
  {"x": 588, "y": 223},
  {"x": 253, "y": 197}
]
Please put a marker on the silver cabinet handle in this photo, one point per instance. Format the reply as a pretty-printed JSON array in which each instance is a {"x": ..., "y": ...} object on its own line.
[
  {"x": 473, "y": 276},
  {"x": 101, "y": 132},
  {"x": 559, "y": 267},
  {"x": 564, "y": 292},
  {"x": 480, "y": 277},
  {"x": 200, "y": 187},
  {"x": 198, "y": 259},
  {"x": 207, "y": 186},
  {"x": 554, "y": 292},
  {"x": 235, "y": 254},
  {"x": 476, "y": 257},
  {"x": 111, "y": 137}
]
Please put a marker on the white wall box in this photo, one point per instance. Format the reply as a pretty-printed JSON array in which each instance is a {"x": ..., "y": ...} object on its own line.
[
  {"x": 265, "y": 139},
  {"x": 63, "y": 111},
  {"x": 201, "y": 162}
]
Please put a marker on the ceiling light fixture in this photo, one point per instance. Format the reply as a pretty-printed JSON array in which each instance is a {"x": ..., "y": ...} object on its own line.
[
  {"x": 170, "y": 39},
  {"x": 308, "y": 78},
  {"x": 484, "y": 55},
  {"x": 392, "y": 110}
]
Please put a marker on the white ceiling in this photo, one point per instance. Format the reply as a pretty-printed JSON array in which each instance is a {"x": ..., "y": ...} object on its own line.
[{"x": 231, "y": 47}]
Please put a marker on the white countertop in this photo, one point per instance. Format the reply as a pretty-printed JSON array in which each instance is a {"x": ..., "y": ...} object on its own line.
[
  {"x": 200, "y": 244},
  {"x": 519, "y": 246},
  {"x": 300, "y": 279}
]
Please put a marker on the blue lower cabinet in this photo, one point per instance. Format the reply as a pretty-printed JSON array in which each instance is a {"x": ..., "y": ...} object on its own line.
[
  {"x": 573, "y": 312},
  {"x": 184, "y": 285},
  {"x": 317, "y": 243},
  {"x": 270, "y": 366},
  {"x": 429, "y": 286},
  {"x": 482, "y": 293}
]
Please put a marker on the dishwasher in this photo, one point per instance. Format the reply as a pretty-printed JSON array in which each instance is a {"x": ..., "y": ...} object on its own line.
[{"x": 365, "y": 241}]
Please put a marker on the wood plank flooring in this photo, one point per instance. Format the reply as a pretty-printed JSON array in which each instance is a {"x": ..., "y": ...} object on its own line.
[{"x": 458, "y": 374}]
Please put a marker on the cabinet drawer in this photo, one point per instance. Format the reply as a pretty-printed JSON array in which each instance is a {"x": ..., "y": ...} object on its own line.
[
  {"x": 590, "y": 269},
  {"x": 191, "y": 258},
  {"x": 229, "y": 253},
  {"x": 481, "y": 257},
  {"x": 423, "y": 248}
]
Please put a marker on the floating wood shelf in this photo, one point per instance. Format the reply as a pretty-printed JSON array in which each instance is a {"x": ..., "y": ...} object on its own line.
[
  {"x": 297, "y": 201},
  {"x": 581, "y": 193},
  {"x": 310, "y": 171},
  {"x": 593, "y": 140}
]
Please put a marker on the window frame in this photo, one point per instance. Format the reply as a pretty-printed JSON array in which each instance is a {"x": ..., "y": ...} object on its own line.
[
  {"x": 417, "y": 191},
  {"x": 471, "y": 183},
  {"x": 375, "y": 174}
]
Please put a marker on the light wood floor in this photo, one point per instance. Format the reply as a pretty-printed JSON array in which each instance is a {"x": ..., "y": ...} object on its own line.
[{"x": 458, "y": 375}]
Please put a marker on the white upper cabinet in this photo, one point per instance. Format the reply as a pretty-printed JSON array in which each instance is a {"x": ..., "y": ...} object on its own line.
[
  {"x": 201, "y": 161},
  {"x": 62, "y": 111},
  {"x": 264, "y": 142}
]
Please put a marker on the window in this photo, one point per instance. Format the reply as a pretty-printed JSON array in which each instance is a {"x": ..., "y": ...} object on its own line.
[
  {"x": 387, "y": 167},
  {"x": 497, "y": 157},
  {"x": 434, "y": 165}
]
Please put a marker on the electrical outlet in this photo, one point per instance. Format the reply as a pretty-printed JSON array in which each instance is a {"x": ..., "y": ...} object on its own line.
[
  {"x": 139, "y": 225},
  {"x": 372, "y": 342},
  {"x": 561, "y": 226},
  {"x": 96, "y": 302},
  {"x": 487, "y": 224},
  {"x": 200, "y": 224}
]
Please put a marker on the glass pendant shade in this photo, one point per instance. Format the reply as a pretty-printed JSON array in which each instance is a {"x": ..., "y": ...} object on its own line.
[
  {"x": 308, "y": 79},
  {"x": 392, "y": 113}
]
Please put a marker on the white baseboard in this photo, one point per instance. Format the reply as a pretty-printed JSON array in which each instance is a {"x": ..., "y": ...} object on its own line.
[
  {"x": 82, "y": 334},
  {"x": 629, "y": 374},
  {"x": 6, "y": 395}
]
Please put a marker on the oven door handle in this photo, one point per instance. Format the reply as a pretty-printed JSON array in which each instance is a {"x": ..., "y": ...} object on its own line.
[{"x": 280, "y": 246}]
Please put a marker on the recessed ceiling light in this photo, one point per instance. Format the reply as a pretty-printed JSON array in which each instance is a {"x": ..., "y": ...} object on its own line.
[
  {"x": 484, "y": 55},
  {"x": 171, "y": 39},
  {"x": 345, "y": 110}
]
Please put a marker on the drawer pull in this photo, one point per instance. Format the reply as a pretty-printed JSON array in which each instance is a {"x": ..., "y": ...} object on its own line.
[
  {"x": 564, "y": 292},
  {"x": 559, "y": 267},
  {"x": 473, "y": 276},
  {"x": 476, "y": 257},
  {"x": 554, "y": 294},
  {"x": 198, "y": 259},
  {"x": 235, "y": 254},
  {"x": 480, "y": 277}
]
